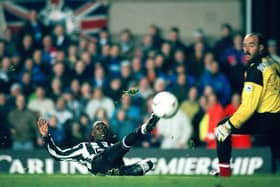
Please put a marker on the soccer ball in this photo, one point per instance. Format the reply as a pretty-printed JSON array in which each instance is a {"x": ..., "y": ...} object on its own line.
[{"x": 165, "y": 105}]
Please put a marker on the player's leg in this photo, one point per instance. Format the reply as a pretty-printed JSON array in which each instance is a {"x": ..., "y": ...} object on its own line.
[
  {"x": 257, "y": 124},
  {"x": 138, "y": 169},
  {"x": 101, "y": 164},
  {"x": 114, "y": 154},
  {"x": 274, "y": 139},
  {"x": 119, "y": 149},
  {"x": 224, "y": 153},
  {"x": 224, "y": 148},
  {"x": 267, "y": 124}
]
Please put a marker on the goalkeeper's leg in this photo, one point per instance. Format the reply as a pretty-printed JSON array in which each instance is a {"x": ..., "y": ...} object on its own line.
[
  {"x": 274, "y": 140},
  {"x": 224, "y": 148},
  {"x": 257, "y": 124},
  {"x": 224, "y": 153}
]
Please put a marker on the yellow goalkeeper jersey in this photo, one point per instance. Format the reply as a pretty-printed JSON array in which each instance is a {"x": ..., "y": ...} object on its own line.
[{"x": 261, "y": 91}]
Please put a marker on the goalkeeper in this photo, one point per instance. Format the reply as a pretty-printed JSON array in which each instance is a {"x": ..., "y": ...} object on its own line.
[
  {"x": 259, "y": 112},
  {"x": 101, "y": 156}
]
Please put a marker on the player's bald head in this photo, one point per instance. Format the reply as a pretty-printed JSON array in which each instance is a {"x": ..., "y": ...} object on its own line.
[
  {"x": 253, "y": 46},
  {"x": 257, "y": 36}
]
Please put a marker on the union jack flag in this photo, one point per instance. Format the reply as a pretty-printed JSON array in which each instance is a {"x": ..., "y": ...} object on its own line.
[{"x": 85, "y": 16}]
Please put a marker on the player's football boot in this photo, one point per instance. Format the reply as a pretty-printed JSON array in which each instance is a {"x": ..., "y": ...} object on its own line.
[
  {"x": 224, "y": 170},
  {"x": 146, "y": 165},
  {"x": 138, "y": 169},
  {"x": 150, "y": 124}
]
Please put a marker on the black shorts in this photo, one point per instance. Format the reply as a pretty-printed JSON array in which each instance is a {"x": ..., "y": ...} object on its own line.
[
  {"x": 259, "y": 123},
  {"x": 105, "y": 161},
  {"x": 267, "y": 124}
]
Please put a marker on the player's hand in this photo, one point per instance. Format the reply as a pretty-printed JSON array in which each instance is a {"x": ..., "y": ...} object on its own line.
[
  {"x": 43, "y": 126},
  {"x": 223, "y": 131}
]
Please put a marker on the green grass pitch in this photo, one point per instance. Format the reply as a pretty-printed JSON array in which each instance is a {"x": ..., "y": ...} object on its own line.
[{"x": 14, "y": 180}]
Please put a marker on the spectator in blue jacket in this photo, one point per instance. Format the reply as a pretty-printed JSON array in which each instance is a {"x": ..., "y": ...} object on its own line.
[
  {"x": 121, "y": 124},
  {"x": 37, "y": 75},
  {"x": 213, "y": 77}
]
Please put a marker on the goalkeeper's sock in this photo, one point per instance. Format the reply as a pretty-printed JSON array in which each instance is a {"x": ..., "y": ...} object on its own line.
[{"x": 224, "y": 169}]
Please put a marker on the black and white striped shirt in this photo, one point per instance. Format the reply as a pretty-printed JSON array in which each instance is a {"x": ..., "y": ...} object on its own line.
[{"x": 83, "y": 152}]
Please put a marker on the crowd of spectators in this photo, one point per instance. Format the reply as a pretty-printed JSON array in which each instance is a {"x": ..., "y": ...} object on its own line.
[{"x": 45, "y": 72}]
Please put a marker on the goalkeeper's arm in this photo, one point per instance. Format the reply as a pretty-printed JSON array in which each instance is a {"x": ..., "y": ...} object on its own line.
[{"x": 251, "y": 94}]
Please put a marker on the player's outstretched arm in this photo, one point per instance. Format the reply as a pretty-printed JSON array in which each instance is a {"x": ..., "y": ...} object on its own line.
[
  {"x": 55, "y": 151},
  {"x": 43, "y": 126}
]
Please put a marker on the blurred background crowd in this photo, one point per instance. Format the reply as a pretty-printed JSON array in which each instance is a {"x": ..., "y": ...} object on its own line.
[{"x": 73, "y": 82}]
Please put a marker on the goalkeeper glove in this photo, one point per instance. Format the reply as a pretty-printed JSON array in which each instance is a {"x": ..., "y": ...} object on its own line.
[{"x": 223, "y": 131}]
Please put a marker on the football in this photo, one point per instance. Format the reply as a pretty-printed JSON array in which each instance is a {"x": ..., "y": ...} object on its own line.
[{"x": 165, "y": 105}]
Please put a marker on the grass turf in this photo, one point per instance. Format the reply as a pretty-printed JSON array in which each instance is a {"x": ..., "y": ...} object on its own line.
[{"x": 14, "y": 180}]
